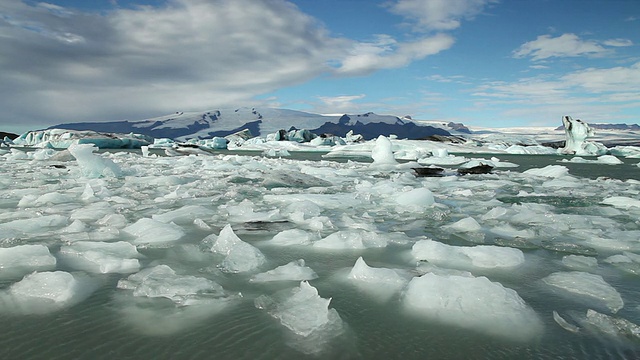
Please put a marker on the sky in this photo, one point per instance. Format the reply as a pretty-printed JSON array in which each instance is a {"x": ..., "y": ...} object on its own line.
[{"x": 484, "y": 63}]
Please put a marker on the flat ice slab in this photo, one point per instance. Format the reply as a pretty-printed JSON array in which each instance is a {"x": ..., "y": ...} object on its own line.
[
  {"x": 474, "y": 303},
  {"x": 588, "y": 287},
  {"x": 467, "y": 257}
]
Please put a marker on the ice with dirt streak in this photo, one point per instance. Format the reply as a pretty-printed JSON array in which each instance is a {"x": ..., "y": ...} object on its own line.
[{"x": 474, "y": 303}]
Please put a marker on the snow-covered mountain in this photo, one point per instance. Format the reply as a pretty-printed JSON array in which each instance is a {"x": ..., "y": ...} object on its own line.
[{"x": 222, "y": 122}]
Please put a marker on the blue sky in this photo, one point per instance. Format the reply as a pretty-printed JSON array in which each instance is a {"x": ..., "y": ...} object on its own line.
[{"x": 485, "y": 63}]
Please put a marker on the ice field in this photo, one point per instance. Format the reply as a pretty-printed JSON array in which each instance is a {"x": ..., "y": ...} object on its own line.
[{"x": 246, "y": 256}]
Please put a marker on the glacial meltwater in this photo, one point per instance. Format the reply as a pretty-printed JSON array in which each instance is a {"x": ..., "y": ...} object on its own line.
[{"x": 116, "y": 255}]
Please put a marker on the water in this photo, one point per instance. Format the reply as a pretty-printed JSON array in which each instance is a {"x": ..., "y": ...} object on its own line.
[{"x": 101, "y": 328}]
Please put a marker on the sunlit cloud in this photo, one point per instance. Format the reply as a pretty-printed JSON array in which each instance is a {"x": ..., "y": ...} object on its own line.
[{"x": 439, "y": 14}]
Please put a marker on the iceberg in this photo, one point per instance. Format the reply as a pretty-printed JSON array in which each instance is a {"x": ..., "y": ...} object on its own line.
[
  {"x": 63, "y": 138},
  {"x": 474, "y": 303},
  {"x": 382, "y": 153},
  {"x": 92, "y": 165},
  {"x": 576, "y": 132},
  {"x": 381, "y": 283}
]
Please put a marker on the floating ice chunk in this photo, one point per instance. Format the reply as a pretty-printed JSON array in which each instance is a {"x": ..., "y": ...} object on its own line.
[
  {"x": 465, "y": 257},
  {"x": 474, "y": 303},
  {"x": 240, "y": 256},
  {"x": 467, "y": 224},
  {"x": 44, "y": 292},
  {"x": 579, "y": 262},
  {"x": 151, "y": 231},
  {"x": 564, "y": 324},
  {"x": 92, "y": 165},
  {"x": 615, "y": 327},
  {"x": 351, "y": 239},
  {"x": 162, "y": 281},
  {"x": 244, "y": 212},
  {"x": 20, "y": 260},
  {"x": 117, "y": 221},
  {"x": 39, "y": 224},
  {"x": 302, "y": 311},
  {"x": 293, "y": 237},
  {"x": 622, "y": 202},
  {"x": 101, "y": 257},
  {"x": 552, "y": 171},
  {"x": 295, "y": 270},
  {"x": 184, "y": 215},
  {"x": 590, "y": 287},
  {"x": 382, "y": 152},
  {"x": 381, "y": 283},
  {"x": 420, "y": 197}
]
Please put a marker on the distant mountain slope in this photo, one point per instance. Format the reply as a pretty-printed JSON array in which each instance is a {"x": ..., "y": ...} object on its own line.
[{"x": 222, "y": 122}]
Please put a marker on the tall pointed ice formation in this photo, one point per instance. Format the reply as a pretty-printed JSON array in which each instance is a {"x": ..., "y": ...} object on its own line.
[{"x": 577, "y": 132}]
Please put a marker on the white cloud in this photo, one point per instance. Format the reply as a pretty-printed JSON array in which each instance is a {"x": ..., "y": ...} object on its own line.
[
  {"x": 337, "y": 104},
  {"x": 439, "y": 14},
  {"x": 386, "y": 53},
  {"x": 60, "y": 65},
  {"x": 566, "y": 45}
]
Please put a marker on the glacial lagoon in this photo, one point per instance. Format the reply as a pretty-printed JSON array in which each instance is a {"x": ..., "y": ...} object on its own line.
[{"x": 538, "y": 261}]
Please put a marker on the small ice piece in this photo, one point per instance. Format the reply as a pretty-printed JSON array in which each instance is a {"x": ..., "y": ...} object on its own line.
[
  {"x": 45, "y": 292},
  {"x": 467, "y": 257},
  {"x": 92, "y": 165},
  {"x": 240, "y": 256},
  {"x": 184, "y": 215},
  {"x": 564, "y": 324},
  {"x": 622, "y": 202},
  {"x": 552, "y": 171},
  {"x": 295, "y": 270},
  {"x": 475, "y": 303},
  {"x": 590, "y": 287},
  {"x": 579, "y": 262},
  {"x": 351, "y": 239},
  {"x": 101, "y": 257},
  {"x": 149, "y": 231},
  {"x": 420, "y": 197},
  {"x": 467, "y": 224},
  {"x": 303, "y": 311},
  {"x": 162, "y": 281},
  {"x": 292, "y": 237},
  {"x": 20, "y": 260},
  {"x": 382, "y": 152},
  {"x": 382, "y": 283}
]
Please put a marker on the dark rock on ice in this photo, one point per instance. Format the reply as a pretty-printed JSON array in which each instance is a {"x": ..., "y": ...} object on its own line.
[
  {"x": 480, "y": 169},
  {"x": 428, "y": 171}
]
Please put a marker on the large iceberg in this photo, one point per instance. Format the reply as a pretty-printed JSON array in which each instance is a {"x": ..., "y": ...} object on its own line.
[
  {"x": 63, "y": 138},
  {"x": 577, "y": 132}
]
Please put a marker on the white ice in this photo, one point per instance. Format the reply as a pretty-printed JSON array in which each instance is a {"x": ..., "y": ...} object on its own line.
[
  {"x": 467, "y": 257},
  {"x": 239, "y": 255},
  {"x": 101, "y": 257},
  {"x": 380, "y": 283},
  {"x": 586, "y": 287},
  {"x": 293, "y": 237},
  {"x": 45, "y": 292},
  {"x": 351, "y": 239},
  {"x": 149, "y": 231},
  {"x": 93, "y": 165},
  {"x": 382, "y": 152},
  {"x": 295, "y": 270},
  {"x": 474, "y": 303},
  {"x": 20, "y": 260}
]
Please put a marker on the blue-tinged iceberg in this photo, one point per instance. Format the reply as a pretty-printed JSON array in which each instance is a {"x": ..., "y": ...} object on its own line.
[{"x": 62, "y": 139}]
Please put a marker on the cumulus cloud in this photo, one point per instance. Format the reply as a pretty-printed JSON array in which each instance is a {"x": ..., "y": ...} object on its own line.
[
  {"x": 364, "y": 58},
  {"x": 565, "y": 45},
  {"x": 63, "y": 65},
  {"x": 439, "y": 14}
]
